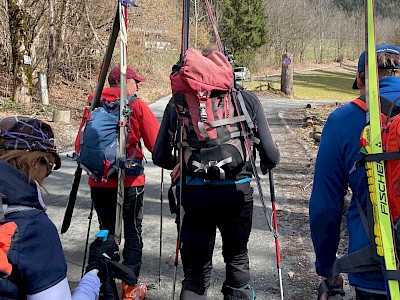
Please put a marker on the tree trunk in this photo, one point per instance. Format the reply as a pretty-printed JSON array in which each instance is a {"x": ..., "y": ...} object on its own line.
[
  {"x": 52, "y": 44},
  {"x": 287, "y": 74},
  {"x": 20, "y": 52},
  {"x": 56, "y": 37}
]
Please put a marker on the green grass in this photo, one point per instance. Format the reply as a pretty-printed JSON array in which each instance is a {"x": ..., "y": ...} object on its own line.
[{"x": 329, "y": 84}]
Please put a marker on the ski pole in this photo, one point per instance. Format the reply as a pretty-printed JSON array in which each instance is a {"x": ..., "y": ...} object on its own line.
[
  {"x": 87, "y": 238},
  {"x": 179, "y": 212},
  {"x": 161, "y": 221},
  {"x": 275, "y": 226},
  {"x": 175, "y": 267}
]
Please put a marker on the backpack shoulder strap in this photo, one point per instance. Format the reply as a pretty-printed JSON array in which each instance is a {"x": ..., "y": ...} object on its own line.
[
  {"x": 360, "y": 103},
  {"x": 387, "y": 106},
  {"x": 132, "y": 98}
]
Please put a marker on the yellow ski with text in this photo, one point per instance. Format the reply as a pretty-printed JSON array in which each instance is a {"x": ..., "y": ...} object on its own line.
[{"x": 376, "y": 169}]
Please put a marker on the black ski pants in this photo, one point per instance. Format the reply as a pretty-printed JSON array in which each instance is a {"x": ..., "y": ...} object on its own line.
[
  {"x": 105, "y": 203},
  {"x": 206, "y": 208}
]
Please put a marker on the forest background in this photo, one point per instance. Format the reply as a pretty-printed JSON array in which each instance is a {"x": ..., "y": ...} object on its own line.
[{"x": 67, "y": 39}]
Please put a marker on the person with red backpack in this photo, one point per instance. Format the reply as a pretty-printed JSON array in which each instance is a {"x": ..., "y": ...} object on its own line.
[
  {"x": 335, "y": 171},
  {"x": 142, "y": 125},
  {"x": 203, "y": 124}
]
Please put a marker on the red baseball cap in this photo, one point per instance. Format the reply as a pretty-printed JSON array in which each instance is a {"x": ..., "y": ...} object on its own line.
[{"x": 115, "y": 75}]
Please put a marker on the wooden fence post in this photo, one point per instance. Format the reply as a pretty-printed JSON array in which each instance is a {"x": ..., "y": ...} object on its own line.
[
  {"x": 44, "y": 94},
  {"x": 287, "y": 74}
]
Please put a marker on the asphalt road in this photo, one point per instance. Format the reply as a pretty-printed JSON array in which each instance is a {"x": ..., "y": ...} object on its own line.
[{"x": 261, "y": 246}]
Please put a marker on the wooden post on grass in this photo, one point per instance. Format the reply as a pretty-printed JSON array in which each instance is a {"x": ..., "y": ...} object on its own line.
[
  {"x": 287, "y": 74},
  {"x": 44, "y": 94}
]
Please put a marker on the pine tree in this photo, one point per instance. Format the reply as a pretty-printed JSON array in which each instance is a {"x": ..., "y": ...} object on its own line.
[{"x": 243, "y": 27}]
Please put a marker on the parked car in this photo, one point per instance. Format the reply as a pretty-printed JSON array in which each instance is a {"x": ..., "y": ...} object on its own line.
[{"x": 241, "y": 73}]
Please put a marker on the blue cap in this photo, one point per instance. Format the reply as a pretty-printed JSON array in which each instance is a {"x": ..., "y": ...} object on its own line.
[{"x": 380, "y": 48}]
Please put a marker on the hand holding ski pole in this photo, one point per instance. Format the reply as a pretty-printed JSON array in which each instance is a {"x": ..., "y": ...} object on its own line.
[
  {"x": 331, "y": 288},
  {"x": 265, "y": 168},
  {"x": 104, "y": 256}
]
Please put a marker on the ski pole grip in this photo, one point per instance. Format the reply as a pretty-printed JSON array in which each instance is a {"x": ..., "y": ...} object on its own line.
[{"x": 102, "y": 234}]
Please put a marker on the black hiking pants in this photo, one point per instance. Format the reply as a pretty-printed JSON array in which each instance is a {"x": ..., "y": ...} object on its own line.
[
  {"x": 105, "y": 203},
  {"x": 206, "y": 208}
]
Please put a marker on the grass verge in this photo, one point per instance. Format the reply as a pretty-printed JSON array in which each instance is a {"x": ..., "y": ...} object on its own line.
[{"x": 324, "y": 84}]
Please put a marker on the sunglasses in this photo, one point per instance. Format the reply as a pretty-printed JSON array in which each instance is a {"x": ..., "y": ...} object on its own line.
[{"x": 49, "y": 164}]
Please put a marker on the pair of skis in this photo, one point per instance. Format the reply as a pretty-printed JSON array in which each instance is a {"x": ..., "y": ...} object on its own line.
[
  {"x": 119, "y": 26},
  {"x": 383, "y": 230}
]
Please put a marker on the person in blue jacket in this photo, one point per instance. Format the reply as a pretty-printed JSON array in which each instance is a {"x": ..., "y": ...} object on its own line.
[
  {"x": 338, "y": 151},
  {"x": 38, "y": 267}
]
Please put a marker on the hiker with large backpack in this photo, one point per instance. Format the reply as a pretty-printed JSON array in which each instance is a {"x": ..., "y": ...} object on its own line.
[
  {"x": 202, "y": 139},
  {"x": 341, "y": 164},
  {"x": 34, "y": 266},
  {"x": 96, "y": 146}
]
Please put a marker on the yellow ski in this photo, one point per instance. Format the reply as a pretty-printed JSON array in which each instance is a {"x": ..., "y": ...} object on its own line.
[{"x": 376, "y": 169}]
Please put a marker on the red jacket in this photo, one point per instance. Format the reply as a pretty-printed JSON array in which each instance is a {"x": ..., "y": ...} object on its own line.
[{"x": 143, "y": 125}]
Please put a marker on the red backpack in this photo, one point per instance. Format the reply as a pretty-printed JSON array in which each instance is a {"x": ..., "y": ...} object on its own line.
[
  {"x": 210, "y": 113},
  {"x": 391, "y": 148}
]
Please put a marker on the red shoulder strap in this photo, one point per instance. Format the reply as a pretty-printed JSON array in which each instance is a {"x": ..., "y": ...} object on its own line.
[{"x": 361, "y": 104}]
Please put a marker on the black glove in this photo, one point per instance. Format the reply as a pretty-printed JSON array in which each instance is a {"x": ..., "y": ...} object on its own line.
[
  {"x": 332, "y": 287},
  {"x": 104, "y": 256},
  {"x": 265, "y": 167},
  {"x": 99, "y": 252}
]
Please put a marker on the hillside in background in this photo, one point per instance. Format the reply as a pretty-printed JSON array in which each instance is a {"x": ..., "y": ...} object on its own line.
[
  {"x": 385, "y": 8},
  {"x": 67, "y": 39}
]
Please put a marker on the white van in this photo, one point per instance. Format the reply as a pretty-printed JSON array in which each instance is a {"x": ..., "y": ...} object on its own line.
[{"x": 241, "y": 73}]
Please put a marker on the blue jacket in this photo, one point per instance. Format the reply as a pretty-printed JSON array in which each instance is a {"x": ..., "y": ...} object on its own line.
[
  {"x": 339, "y": 149},
  {"x": 37, "y": 257}
]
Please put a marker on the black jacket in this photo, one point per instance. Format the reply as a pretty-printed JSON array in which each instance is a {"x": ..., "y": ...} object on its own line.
[{"x": 164, "y": 157}]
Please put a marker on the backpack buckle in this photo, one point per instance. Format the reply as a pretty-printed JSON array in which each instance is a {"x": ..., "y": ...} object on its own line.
[{"x": 203, "y": 112}]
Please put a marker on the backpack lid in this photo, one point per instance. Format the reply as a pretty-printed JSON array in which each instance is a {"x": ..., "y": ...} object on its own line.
[{"x": 202, "y": 73}]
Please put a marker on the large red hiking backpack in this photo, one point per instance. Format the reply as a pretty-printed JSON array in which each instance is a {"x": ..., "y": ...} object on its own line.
[
  {"x": 391, "y": 148},
  {"x": 212, "y": 136}
]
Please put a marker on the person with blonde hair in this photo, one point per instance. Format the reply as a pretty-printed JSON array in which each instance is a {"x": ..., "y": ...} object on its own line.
[{"x": 38, "y": 267}]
